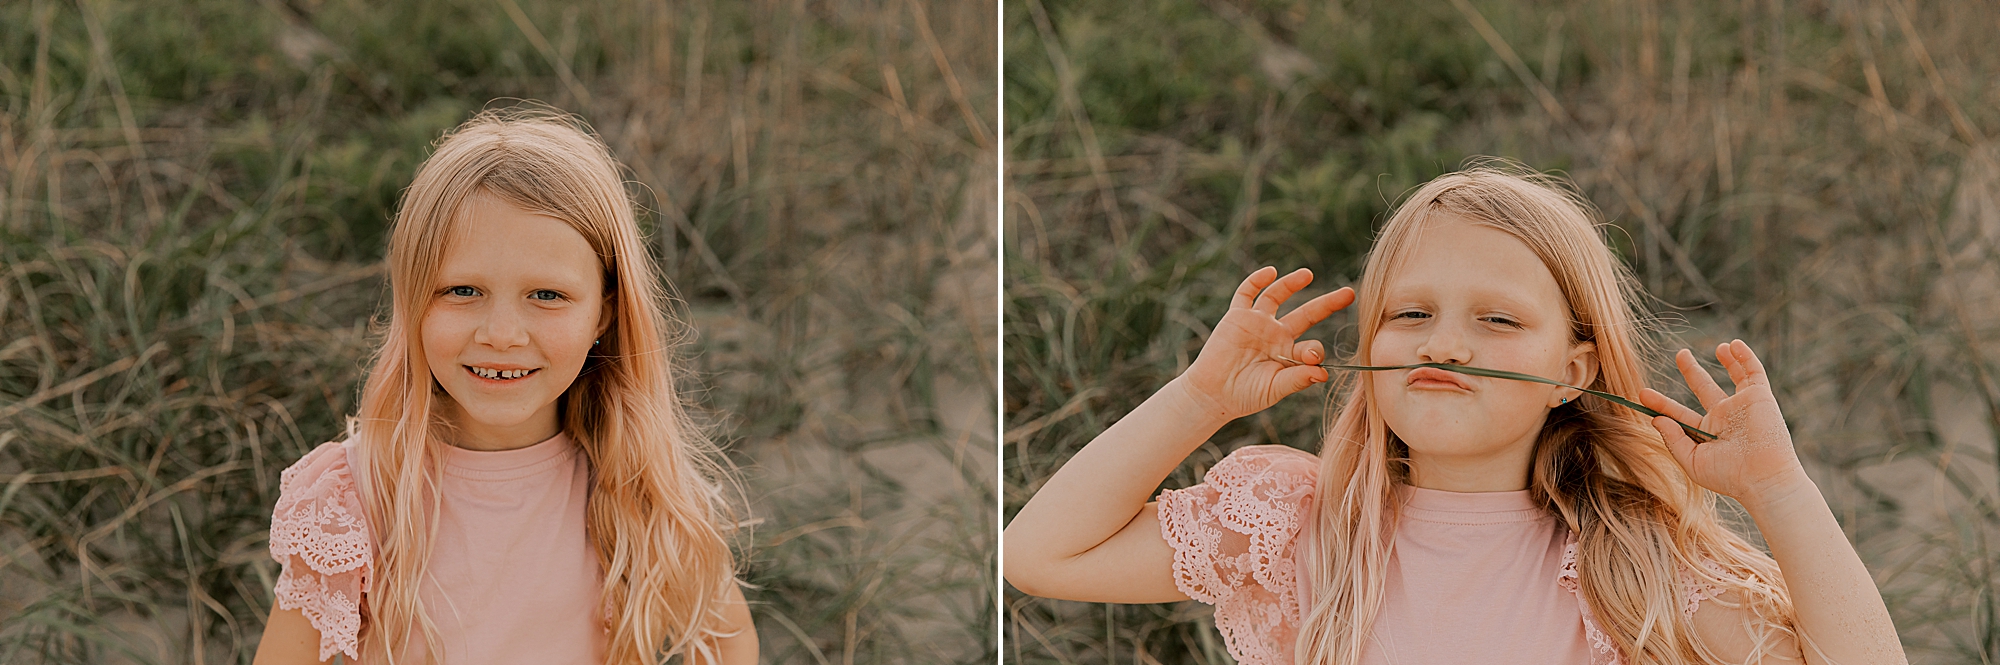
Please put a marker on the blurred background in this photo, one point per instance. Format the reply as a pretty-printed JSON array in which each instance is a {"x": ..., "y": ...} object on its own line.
[
  {"x": 1813, "y": 177},
  {"x": 194, "y": 198}
]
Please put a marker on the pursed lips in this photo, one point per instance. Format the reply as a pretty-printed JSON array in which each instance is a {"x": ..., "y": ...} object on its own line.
[{"x": 1436, "y": 379}]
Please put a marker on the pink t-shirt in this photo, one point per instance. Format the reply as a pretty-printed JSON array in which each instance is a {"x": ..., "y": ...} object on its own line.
[
  {"x": 512, "y": 577},
  {"x": 1472, "y": 577}
]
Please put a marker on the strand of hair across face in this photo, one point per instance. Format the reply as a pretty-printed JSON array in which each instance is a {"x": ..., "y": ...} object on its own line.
[{"x": 1693, "y": 432}]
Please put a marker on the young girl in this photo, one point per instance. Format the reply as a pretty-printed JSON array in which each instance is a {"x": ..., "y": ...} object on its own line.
[
  {"x": 1452, "y": 518},
  {"x": 522, "y": 484}
]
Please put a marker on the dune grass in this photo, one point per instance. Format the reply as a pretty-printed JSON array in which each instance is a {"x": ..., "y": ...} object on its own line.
[
  {"x": 1815, "y": 179},
  {"x": 194, "y": 197}
]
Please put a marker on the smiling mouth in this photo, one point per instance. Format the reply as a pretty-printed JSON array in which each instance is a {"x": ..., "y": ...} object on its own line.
[{"x": 500, "y": 375}]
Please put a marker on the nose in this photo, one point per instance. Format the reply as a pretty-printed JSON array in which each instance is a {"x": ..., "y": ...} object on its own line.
[
  {"x": 504, "y": 327},
  {"x": 1445, "y": 343}
]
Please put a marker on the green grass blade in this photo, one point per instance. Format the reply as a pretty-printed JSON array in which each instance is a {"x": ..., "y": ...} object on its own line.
[{"x": 1694, "y": 432}]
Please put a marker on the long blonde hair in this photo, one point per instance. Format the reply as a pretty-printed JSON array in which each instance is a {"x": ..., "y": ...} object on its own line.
[
  {"x": 656, "y": 514},
  {"x": 1642, "y": 527}
]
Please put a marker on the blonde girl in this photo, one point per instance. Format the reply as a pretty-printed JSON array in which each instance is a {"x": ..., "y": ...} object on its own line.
[
  {"x": 1453, "y": 518},
  {"x": 522, "y": 484}
]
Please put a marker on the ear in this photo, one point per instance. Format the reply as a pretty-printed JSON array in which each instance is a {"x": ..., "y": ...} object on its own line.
[
  {"x": 607, "y": 311},
  {"x": 1580, "y": 371}
]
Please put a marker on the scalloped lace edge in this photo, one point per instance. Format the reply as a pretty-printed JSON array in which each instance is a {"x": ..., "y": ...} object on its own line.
[
  {"x": 321, "y": 525},
  {"x": 1246, "y": 620}
]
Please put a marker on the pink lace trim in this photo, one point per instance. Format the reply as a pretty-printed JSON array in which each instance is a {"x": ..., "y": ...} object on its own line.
[
  {"x": 1232, "y": 537},
  {"x": 1602, "y": 651},
  {"x": 319, "y": 522}
]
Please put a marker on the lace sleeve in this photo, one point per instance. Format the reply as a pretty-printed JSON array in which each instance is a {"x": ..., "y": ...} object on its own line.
[
  {"x": 319, "y": 536},
  {"x": 1233, "y": 537}
]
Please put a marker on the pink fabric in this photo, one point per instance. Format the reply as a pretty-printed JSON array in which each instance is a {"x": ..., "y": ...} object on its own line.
[
  {"x": 512, "y": 577},
  {"x": 1476, "y": 577},
  {"x": 1455, "y": 554},
  {"x": 1233, "y": 538},
  {"x": 320, "y": 537}
]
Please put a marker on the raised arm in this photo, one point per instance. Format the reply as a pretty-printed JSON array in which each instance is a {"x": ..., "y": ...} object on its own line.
[
  {"x": 1840, "y": 613},
  {"x": 1089, "y": 533}
]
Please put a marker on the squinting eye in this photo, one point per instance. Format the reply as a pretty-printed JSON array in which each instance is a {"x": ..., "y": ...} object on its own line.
[
  {"x": 462, "y": 291},
  {"x": 1503, "y": 321},
  {"x": 1411, "y": 315}
]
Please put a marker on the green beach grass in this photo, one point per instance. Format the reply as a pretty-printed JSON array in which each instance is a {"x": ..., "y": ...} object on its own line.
[
  {"x": 1816, "y": 179},
  {"x": 194, "y": 198}
]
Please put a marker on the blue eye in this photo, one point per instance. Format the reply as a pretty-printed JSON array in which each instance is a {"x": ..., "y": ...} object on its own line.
[
  {"x": 546, "y": 294},
  {"x": 462, "y": 291}
]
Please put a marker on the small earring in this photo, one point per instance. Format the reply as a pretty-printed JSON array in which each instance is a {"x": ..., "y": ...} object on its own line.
[
  {"x": 1565, "y": 401},
  {"x": 596, "y": 342}
]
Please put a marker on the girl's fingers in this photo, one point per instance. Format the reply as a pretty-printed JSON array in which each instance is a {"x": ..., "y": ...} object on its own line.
[
  {"x": 1309, "y": 352},
  {"x": 1677, "y": 442},
  {"x": 1246, "y": 293},
  {"x": 1747, "y": 369},
  {"x": 1727, "y": 357},
  {"x": 1316, "y": 310},
  {"x": 1698, "y": 380},
  {"x": 1299, "y": 377},
  {"x": 1281, "y": 290},
  {"x": 1660, "y": 402}
]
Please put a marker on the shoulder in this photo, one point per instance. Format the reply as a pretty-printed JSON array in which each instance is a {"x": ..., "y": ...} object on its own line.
[
  {"x": 1729, "y": 624},
  {"x": 320, "y": 516},
  {"x": 1717, "y": 608},
  {"x": 1272, "y": 465},
  {"x": 324, "y": 466},
  {"x": 321, "y": 541},
  {"x": 1258, "y": 491}
]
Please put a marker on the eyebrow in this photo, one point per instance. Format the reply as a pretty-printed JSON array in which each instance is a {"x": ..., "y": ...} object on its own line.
[
  {"x": 545, "y": 281},
  {"x": 1478, "y": 295}
]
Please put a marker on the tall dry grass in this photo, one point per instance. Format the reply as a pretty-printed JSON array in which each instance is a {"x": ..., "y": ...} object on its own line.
[
  {"x": 193, "y": 203},
  {"x": 1816, "y": 178}
]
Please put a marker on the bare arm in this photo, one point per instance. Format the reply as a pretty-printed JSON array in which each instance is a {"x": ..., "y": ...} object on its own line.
[
  {"x": 740, "y": 647},
  {"x": 1840, "y": 613},
  {"x": 289, "y": 639},
  {"x": 1089, "y": 534}
]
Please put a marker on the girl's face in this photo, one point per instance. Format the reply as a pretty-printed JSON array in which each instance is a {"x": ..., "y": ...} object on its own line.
[
  {"x": 520, "y": 298},
  {"x": 1473, "y": 295}
]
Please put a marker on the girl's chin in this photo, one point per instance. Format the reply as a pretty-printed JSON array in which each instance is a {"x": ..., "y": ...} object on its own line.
[{"x": 489, "y": 416}]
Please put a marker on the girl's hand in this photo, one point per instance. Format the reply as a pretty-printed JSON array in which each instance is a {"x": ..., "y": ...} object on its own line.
[
  {"x": 1751, "y": 459},
  {"x": 1254, "y": 358}
]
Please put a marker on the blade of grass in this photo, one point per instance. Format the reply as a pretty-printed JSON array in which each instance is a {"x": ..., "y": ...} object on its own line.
[{"x": 1696, "y": 433}]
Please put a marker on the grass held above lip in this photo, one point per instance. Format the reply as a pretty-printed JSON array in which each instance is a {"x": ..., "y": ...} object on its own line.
[{"x": 1694, "y": 432}]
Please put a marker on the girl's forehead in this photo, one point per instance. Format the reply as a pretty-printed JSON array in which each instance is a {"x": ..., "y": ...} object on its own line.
[
  {"x": 494, "y": 236},
  {"x": 1451, "y": 255}
]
